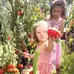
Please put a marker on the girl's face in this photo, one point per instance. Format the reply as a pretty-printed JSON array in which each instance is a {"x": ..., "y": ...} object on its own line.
[
  {"x": 41, "y": 33},
  {"x": 56, "y": 12}
]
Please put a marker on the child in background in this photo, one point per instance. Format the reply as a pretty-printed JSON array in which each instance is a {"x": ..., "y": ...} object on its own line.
[
  {"x": 57, "y": 20},
  {"x": 45, "y": 45}
]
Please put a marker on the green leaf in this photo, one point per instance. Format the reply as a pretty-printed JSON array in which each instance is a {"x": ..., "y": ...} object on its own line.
[{"x": 35, "y": 62}]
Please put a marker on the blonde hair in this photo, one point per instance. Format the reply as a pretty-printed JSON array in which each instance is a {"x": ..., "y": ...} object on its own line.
[{"x": 39, "y": 23}]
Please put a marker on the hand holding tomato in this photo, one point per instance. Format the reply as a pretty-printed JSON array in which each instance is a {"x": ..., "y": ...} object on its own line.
[{"x": 54, "y": 33}]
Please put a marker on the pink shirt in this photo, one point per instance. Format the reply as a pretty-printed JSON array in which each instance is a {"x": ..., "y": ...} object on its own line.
[
  {"x": 54, "y": 23},
  {"x": 57, "y": 50},
  {"x": 45, "y": 65}
]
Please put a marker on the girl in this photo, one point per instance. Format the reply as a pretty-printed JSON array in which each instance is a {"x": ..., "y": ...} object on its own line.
[
  {"x": 57, "y": 20},
  {"x": 45, "y": 46}
]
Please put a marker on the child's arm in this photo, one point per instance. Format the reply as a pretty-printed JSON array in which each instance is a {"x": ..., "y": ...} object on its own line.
[
  {"x": 49, "y": 45},
  {"x": 61, "y": 29},
  {"x": 27, "y": 55}
]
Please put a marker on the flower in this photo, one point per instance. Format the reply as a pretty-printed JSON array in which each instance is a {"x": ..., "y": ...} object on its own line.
[
  {"x": 17, "y": 51},
  {"x": 29, "y": 35},
  {"x": 52, "y": 32},
  {"x": 20, "y": 13},
  {"x": 9, "y": 38}
]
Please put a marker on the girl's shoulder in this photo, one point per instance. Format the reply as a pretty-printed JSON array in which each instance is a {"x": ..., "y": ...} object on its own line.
[
  {"x": 60, "y": 20},
  {"x": 42, "y": 46},
  {"x": 48, "y": 19}
]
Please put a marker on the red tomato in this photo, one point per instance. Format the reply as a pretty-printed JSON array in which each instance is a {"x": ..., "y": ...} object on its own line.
[
  {"x": 20, "y": 66},
  {"x": 29, "y": 67},
  {"x": 31, "y": 72},
  {"x": 4, "y": 68},
  {"x": 1, "y": 71},
  {"x": 15, "y": 70},
  {"x": 9, "y": 70},
  {"x": 11, "y": 66}
]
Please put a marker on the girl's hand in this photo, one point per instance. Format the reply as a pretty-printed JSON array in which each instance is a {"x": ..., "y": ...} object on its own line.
[
  {"x": 51, "y": 39},
  {"x": 54, "y": 33},
  {"x": 26, "y": 54},
  {"x": 50, "y": 45},
  {"x": 57, "y": 38}
]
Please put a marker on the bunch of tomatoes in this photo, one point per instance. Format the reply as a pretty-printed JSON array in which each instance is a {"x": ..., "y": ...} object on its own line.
[{"x": 10, "y": 68}]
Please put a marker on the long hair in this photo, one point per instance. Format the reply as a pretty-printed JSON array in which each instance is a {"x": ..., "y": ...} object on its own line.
[
  {"x": 60, "y": 4},
  {"x": 41, "y": 22}
]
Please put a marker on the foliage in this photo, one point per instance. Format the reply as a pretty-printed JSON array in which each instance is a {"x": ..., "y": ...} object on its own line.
[
  {"x": 69, "y": 13},
  {"x": 16, "y": 22},
  {"x": 67, "y": 66},
  {"x": 35, "y": 62},
  {"x": 23, "y": 14},
  {"x": 6, "y": 47}
]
